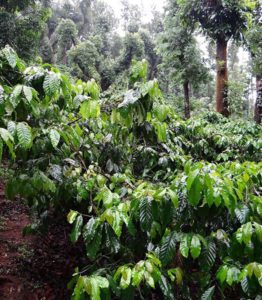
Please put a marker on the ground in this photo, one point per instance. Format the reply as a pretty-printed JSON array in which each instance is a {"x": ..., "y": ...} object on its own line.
[{"x": 32, "y": 267}]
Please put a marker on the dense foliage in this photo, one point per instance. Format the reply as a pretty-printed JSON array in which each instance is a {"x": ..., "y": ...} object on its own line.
[
  {"x": 87, "y": 39},
  {"x": 163, "y": 207}
]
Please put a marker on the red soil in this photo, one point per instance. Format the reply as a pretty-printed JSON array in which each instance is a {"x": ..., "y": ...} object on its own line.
[{"x": 32, "y": 267}]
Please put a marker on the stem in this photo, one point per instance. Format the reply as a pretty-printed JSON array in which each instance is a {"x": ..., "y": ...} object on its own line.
[
  {"x": 222, "y": 77},
  {"x": 186, "y": 101}
]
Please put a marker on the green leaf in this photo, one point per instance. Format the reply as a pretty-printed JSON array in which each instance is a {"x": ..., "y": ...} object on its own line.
[
  {"x": 146, "y": 216},
  {"x": 249, "y": 270},
  {"x": 76, "y": 232},
  {"x": 28, "y": 93},
  {"x": 149, "y": 266},
  {"x": 153, "y": 259},
  {"x": 78, "y": 293},
  {"x": 93, "y": 284},
  {"x": 95, "y": 290},
  {"x": 17, "y": 91},
  {"x": 2, "y": 98},
  {"x": 137, "y": 277},
  {"x": 245, "y": 285},
  {"x": 93, "y": 246},
  {"x": 209, "y": 254},
  {"x": 150, "y": 280},
  {"x": 179, "y": 276},
  {"x": 35, "y": 108},
  {"x": 103, "y": 283},
  {"x": 161, "y": 112},
  {"x": 258, "y": 229},
  {"x": 258, "y": 270},
  {"x": 139, "y": 70},
  {"x": 126, "y": 278},
  {"x": 208, "y": 294},
  {"x": 10, "y": 56},
  {"x": 174, "y": 197},
  {"x": 111, "y": 240},
  {"x": 72, "y": 216},
  {"x": 242, "y": 213},
  {"x": 14, "y": 98},
  {"x": 222, "y": 274},
  {"x": 117, "y": 223},
  {"x": 54, "y": 137},
  {"x": 51, "y": 84},
  {"x": 93, "y": 89},
  {"x": 166, "y": 288},
  {"x": 24, "y": 135},
  {"x": 247, "y": 231},
  {"x": 8, "y": 139},
  {"x": 191, "y": 178},
  {"x": 185, "y": 245},
  {"x": 11, "y": 127},
  {"x": 84, "y": 109},
  {"x": 5, "y": 135},
  {"x": 176, "y": 274},
  {"x": 107, "y": 197},
  {"x": 232, "y": 275},
  {"x": 168, "y": 248},
  {"x": 161, "y": 131},
  {"x": 195, "y": 247},
  {"x": 195, "y": 192},
  {"x": 89, "y": 230},
  {"x": 90, "y": 109}
]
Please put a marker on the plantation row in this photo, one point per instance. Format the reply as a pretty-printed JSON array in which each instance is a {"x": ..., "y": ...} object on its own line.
[{"x": 164, "y": 207}]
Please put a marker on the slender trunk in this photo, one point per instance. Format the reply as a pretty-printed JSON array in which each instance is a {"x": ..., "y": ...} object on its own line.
[
  {"x": 186, "y": 101},
  {"x": 222, "y": 77},
  {"x": 64, "y": 57},
  {"x": 258, "y": 105}
]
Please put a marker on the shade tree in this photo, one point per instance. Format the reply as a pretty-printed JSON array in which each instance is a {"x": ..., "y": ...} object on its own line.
[
  {"x": 222, "y": 21},
  {"x": 254, "y": 44},
  {"x": 181, "y": 58}
]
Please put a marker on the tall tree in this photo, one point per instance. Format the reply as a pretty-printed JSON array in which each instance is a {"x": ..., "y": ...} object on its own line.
[
  {"x": 150, "y": 52},
  {"x": 134, "y": 48},
  {"x": 181, "y": 59},
  {"x": 63, "y": 39},
  {"x": 221, "y": 20},
  {"x": 12, "y": 6},
  {"x": 83, "y": 60},
  {"x": 85, "y": 9},
  {"x": 131, "y": 14},
  {"x": 254, "y": 43},
  {"x": 22, "y": 24},
  {"x": 156, "y": 26}
]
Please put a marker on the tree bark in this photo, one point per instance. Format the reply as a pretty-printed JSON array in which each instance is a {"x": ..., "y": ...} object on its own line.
[
  {"x": 186, "y": 100},
  {"x": 222, "y": 78},
  {"x": 258, "y": 105}
]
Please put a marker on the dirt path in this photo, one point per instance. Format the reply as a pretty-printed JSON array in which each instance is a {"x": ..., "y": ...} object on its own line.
[
  {"x": 32, "y": 267},
  {"x": 13, "y": 248}
]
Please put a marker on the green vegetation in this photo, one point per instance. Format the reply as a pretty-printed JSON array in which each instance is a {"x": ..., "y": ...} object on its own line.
[
  {"x": 155, "y": 200},
  {"x": 164, "y": 207}
]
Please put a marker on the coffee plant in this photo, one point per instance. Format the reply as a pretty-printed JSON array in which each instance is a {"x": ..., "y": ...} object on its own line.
[{"x": 165, "y": 208}]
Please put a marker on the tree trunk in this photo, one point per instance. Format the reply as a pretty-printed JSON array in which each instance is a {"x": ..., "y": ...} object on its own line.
[
  {"x": 186, "y": 101},
  {"x": 222, "y": 77},
  {"x": 258, "y": 105}
]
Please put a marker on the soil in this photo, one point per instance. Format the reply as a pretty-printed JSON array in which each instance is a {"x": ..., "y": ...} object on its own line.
[{"x": 32, "y": 267}]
